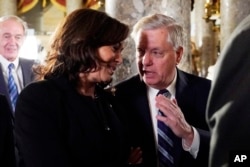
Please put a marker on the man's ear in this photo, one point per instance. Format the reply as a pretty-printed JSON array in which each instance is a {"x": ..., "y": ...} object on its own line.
[{"x": 179, "y": 53}]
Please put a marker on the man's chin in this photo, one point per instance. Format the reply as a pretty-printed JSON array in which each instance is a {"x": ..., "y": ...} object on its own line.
[{"x": 149, "y": 82}]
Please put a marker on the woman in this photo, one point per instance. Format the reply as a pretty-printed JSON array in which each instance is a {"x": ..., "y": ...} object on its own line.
[{"x": 67, "y": 119}]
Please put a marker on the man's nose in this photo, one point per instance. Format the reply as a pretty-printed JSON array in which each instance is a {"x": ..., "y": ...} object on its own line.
[{"x": 146, "y": 59}]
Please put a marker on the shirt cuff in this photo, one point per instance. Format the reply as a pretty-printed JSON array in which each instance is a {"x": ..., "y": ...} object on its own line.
[{"x": 194, "y": 148}]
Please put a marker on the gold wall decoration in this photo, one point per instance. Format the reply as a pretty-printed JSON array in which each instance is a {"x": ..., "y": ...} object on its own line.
[
  {"x": 24, "y": 6},
  {"x": 212, "y": 13}
]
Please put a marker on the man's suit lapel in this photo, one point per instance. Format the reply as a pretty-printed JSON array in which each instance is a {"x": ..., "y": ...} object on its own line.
[
  {"x": 146, "y": 114},
  {"x": 141, "y": 104},
  {"x": 181, "y": 83},
  {"x": 28, "y": 75},
  {"x": 183, "y": 94},
  {"x": 3, "y": 86},
  {"x": 186, "y": 97}
]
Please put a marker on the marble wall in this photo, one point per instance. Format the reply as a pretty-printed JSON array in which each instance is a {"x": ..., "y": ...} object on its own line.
[{"x": 232, "y": 12}]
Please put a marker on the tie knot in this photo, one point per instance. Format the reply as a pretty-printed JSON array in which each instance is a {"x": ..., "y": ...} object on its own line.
[
  {"x": 11, "y": 66},
  {"x": 165, "y": 93}
]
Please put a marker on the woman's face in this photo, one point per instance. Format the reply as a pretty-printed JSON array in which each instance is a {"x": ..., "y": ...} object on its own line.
[{"x": 110, "y": 58}]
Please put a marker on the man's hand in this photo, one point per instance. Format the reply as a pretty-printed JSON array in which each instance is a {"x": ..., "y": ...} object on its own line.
[
  {"x": 135, "y": 156},
  {"x": 174, "y": 118}
]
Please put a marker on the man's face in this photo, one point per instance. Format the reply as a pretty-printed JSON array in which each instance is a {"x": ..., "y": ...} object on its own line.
[
  {"x": 156, "y": 57},
  {"x": 11, "y": 39}
]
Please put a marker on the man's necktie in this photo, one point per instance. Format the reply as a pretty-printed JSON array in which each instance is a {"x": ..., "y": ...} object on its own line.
[
  {"x": 13, "y": 92},
  {"x": 166, "y": 137}
]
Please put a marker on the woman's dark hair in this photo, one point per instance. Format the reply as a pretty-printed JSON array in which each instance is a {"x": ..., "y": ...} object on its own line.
[{"x": 75, "y": 42}]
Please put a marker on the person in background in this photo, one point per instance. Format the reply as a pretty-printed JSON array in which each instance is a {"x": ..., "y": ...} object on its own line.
[
  {"x": 15, "y": 72},
  {"x": 159, "y": 49},
  {"x": 66, "y": 118},
  {"x": 228, "y": 107},
  {"x": 7, "y": 153}
]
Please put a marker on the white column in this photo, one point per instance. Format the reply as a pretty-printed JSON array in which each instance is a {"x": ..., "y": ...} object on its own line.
[
  {"x": 72, "y": 5},
  {"x": 8, "y": 7}
]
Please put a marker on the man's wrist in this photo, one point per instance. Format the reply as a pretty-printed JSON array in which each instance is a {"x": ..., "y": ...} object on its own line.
[{"x": 193, "y": 149}]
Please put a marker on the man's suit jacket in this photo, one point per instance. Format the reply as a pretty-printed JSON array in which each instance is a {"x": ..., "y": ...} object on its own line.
[
  {"x": 28, "y": 76},
  {"x": 191, "y": 95},
  {"x": 7, "y": 155},
  {"x": 228, "y": 111}
]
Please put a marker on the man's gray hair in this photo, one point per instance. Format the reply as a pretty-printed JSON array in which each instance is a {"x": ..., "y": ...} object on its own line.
[
  {"x": 17, "y": 19},
  {"x": 156, "y": 21}
]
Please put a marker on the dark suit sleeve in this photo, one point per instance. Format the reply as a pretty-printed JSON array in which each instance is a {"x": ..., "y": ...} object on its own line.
[
  {"x": 7, "y": 155},
  {"x": 202, "y": 156},
  {"x": 202, "y": 127},
  {"x": 228, "y": 105},
  {"x": 39, "y": 132},
  {"x": 192, "y": 93}
]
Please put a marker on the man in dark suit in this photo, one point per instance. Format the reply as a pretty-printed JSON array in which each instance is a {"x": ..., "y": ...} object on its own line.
[
  {"x": 228, "y": 111},
  {"x": 159, "y": 44},
  {"x": 13, "y": 31},
  {"x": 7, "y": 156}
]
